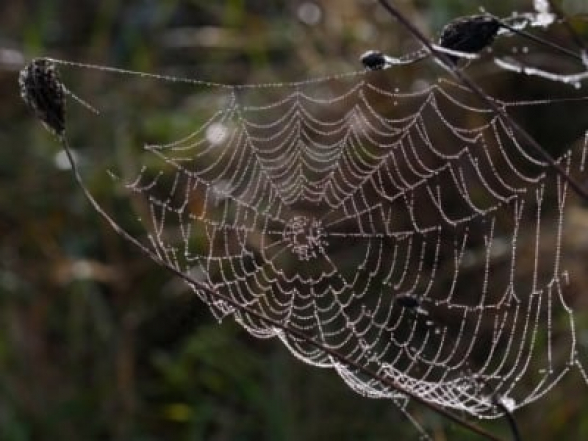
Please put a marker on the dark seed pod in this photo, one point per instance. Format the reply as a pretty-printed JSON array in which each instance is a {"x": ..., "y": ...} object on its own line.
[
  {"x": 469, "y": 34},
  {"x": 407, "y": 301},
  {"x": 42, "y": 90},
  {"x": 373, "y": 60}
]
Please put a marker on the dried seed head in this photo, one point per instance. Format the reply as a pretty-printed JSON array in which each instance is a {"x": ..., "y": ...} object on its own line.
[
  {"x": 42, "y": 90},
  {"x": 469, "y": 34},
  {"x": 373, "y": 60},
  {"x": 407, "y": 301}
]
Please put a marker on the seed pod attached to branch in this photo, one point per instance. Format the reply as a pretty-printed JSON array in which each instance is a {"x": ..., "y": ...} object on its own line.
[{"x": 42, "y": 91}]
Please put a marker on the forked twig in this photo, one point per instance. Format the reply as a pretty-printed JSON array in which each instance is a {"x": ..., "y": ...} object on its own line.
[{"x": 461, "y": 76}]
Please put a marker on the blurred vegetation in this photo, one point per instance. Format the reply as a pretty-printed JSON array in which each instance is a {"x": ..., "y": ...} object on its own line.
[{"x": 96, "y": 342}]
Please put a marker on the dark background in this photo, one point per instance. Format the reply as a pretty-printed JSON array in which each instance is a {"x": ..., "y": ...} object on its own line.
[{"x": 98, "y": 343}]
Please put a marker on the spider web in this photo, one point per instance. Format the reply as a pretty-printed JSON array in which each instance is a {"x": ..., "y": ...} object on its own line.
[
  {"x": 407, "y": 229},
  {"x": 384, "y": 224}
]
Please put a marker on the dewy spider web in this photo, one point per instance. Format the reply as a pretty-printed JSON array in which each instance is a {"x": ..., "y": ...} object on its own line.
[
  {"x": 323, "y": 213},
  {"x": 361, "y": 215}
]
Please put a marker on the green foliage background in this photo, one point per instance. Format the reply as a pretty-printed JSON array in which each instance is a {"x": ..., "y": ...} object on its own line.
[{"x": 96, "y": 342}]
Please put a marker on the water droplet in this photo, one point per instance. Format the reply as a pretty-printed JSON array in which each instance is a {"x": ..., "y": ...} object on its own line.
[
  {"x": 217, "y": 133},
  {"x": 509, "y": 403},
  {"x": 310, "y": 13}
]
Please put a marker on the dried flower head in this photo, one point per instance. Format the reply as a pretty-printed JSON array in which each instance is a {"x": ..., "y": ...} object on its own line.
[
  {"x": 373, "y": 60},
  {"x": 42, "y": 90},
  {"x": 469, "y": 34}
]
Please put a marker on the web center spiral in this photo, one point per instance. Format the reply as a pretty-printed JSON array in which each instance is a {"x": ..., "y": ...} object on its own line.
[{"x": 304, "y": 236}]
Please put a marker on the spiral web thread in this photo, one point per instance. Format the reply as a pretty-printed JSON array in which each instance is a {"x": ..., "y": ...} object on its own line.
[{"x": 363, "y": 216}]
